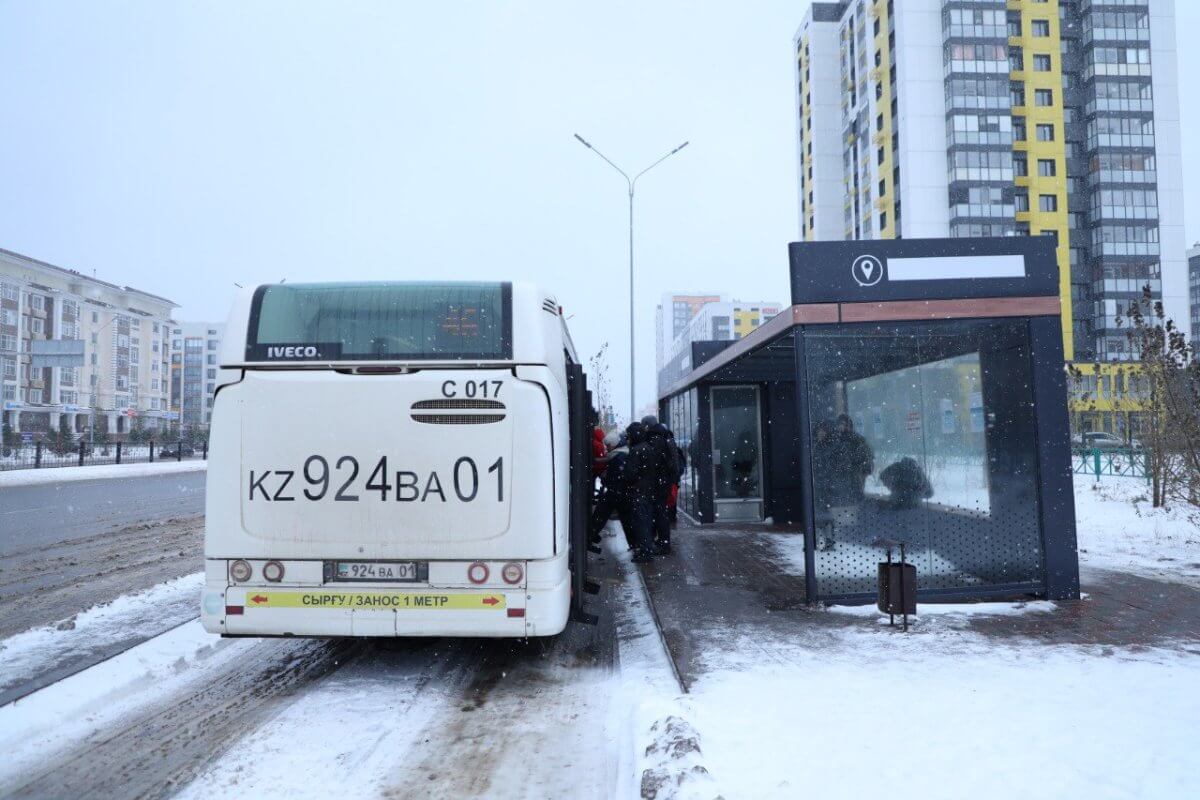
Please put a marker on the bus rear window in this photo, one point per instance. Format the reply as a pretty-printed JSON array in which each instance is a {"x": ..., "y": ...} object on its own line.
[{"x": 380, "y": 322}]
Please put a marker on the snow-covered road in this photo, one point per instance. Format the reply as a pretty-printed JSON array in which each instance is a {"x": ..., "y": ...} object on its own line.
[
  {"x": 597, "y": 712},
  {"x": 188, "y": 712}
]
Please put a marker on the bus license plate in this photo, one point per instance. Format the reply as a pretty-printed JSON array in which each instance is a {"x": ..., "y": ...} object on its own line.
[{"x": 398, "y": 571}]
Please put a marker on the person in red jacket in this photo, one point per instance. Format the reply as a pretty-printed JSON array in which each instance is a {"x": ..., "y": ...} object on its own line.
[{"x": 599, "y": 453}]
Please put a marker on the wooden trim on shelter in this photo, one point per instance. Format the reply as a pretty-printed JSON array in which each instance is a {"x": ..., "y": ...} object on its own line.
[{"x": 985, "y": 308}]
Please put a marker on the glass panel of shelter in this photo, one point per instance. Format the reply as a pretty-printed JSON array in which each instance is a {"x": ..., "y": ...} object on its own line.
[
  {"x": 923, "y": 433},
  {"x": 736, "y": 452}
]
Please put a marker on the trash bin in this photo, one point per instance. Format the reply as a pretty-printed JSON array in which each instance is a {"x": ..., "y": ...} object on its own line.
[{"x": 897, "y": 585}]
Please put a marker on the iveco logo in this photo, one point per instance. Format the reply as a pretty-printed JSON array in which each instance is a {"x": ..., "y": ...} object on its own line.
[
  {"x": 292, "y": 351},
  {"x": 867, "y": 270}
]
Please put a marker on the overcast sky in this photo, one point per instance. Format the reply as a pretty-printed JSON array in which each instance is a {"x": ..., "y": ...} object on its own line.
[{"x": 183, "y": 147}]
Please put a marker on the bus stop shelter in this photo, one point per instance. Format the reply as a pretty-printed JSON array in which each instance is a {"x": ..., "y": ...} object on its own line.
[{"x": 914, "y": 391}]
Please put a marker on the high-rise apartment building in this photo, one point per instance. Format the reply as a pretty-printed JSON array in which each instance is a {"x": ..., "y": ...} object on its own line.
[
  {"x": 1193, "y": 257},
  {"x": 123, "y": 379},
  {"x": 672, "y": 315},
  {"x": 195, "y": 353},
  {"x": 957, "y": 118},
  {"x": 721, "y": 321}
]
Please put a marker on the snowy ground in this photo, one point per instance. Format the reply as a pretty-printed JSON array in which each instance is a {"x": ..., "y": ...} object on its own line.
[
  {"x": 1118, "y": 529},
  {"x": 855, "y": 711},
  {"x": 29, "y": 477}
]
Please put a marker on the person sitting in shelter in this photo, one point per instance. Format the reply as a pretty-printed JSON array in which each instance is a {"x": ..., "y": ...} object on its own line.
[{"x": 907, "y": 482}]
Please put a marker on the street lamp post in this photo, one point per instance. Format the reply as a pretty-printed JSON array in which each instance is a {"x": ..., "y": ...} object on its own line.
[{"x": 631, "y": 183}]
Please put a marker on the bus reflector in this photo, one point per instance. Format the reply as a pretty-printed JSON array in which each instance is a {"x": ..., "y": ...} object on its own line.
[
  {"x": 478, "y": 572},
  {"x": 512, "y": 573},
  {"x": 516, "y": 612},
  {"x": 234, "y": 610}
]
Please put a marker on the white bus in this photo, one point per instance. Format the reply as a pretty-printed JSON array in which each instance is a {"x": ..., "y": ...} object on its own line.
[{"x": 396, "y": 459}]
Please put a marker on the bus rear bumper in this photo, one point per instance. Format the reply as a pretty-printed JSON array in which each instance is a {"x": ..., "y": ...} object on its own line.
[{"x": 385, "y": 612}]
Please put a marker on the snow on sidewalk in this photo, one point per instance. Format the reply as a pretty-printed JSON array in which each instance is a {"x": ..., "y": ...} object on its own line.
[
  {"x": 36, "y": 652},
  {"x": 30, "y": 477},
  {"x": 890, "y": 714}
]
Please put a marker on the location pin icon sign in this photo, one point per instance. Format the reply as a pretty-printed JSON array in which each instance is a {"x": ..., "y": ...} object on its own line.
[{"x": 868, "y": 267}]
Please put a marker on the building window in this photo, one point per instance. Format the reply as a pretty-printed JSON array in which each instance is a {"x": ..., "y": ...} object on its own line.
[
  {"x": 1047, "y": 168},
  {"x": 1048, "y": 202},
  {"x": 1021, "y": 201},
  {"x": 1043, "y": 97},
  {"x": 1045, "y": 132},
  {"x": 1041, "y": 63},
  {"x": 1041, "y": 28}
]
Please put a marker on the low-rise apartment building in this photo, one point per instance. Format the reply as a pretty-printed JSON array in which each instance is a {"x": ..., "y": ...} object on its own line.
[{"x": 119, "y": 378}]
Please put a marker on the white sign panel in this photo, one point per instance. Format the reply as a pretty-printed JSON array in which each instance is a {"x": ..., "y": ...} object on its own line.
[{"x": 942, "y": 268}]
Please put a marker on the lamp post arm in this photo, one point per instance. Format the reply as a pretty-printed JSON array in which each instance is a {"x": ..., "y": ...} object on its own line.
[
  {"x": 655, "y": 164},
  {"x": 607, "y": 160}
]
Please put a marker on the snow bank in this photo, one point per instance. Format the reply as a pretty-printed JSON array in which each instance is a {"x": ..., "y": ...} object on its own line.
[
  {"x": 660, "y": 750},
  {"x": 36, "y": 727},
  {"x": 29, "y": 477},
  {"x": 142, "y": 615}
]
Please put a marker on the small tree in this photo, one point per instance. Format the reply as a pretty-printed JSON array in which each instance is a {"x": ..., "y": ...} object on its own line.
[
  {"x": 10, "y": 439},
  {"x": 599, "y": 380},
  {"x": 1170, "y": 383},
  {"x": 62, "y": 441},
  {"x": 137, "y": 434}
]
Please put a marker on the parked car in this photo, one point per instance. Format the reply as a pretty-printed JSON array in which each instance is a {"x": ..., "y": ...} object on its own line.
[
  {"x": 1102, "y": 440},
  {"x": 172, "y": 450}
]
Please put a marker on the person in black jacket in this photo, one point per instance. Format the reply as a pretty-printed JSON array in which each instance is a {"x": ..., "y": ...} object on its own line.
[
  {"x": 853, "y": 461},
  {"x": 666, "y": 473},
  {"x": 641, "y": 473}
]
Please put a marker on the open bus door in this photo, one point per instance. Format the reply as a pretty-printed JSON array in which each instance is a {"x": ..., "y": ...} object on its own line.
[{"x": 579, "y": 416}]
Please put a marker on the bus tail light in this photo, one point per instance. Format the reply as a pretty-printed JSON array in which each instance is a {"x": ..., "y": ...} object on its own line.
[
  {"x": 273, "y": 571},
  {"x": 512, "y": 573},
  {"x": 234, "y": 610},
  {"x": 478, "y": 573},
  {"x": 240, "y": 571}
]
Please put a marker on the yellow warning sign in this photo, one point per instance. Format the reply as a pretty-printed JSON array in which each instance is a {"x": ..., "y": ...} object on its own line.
[{"x": 402, "y": 601}]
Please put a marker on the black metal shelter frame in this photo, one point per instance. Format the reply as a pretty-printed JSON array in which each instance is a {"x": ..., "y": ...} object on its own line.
[{"x": 948, "y": 355}]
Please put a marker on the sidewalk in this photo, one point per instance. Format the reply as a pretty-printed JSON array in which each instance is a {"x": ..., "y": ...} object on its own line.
[
  {"x": 746, "y": 583},
  {"x": 1092, "y": 698}
]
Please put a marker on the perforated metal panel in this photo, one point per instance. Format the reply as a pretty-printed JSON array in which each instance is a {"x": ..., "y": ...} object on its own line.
[{"x": 924, "y": 434}]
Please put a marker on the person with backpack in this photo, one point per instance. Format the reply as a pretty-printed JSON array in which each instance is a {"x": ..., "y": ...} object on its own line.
[{"x": 612, "y": 488}]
